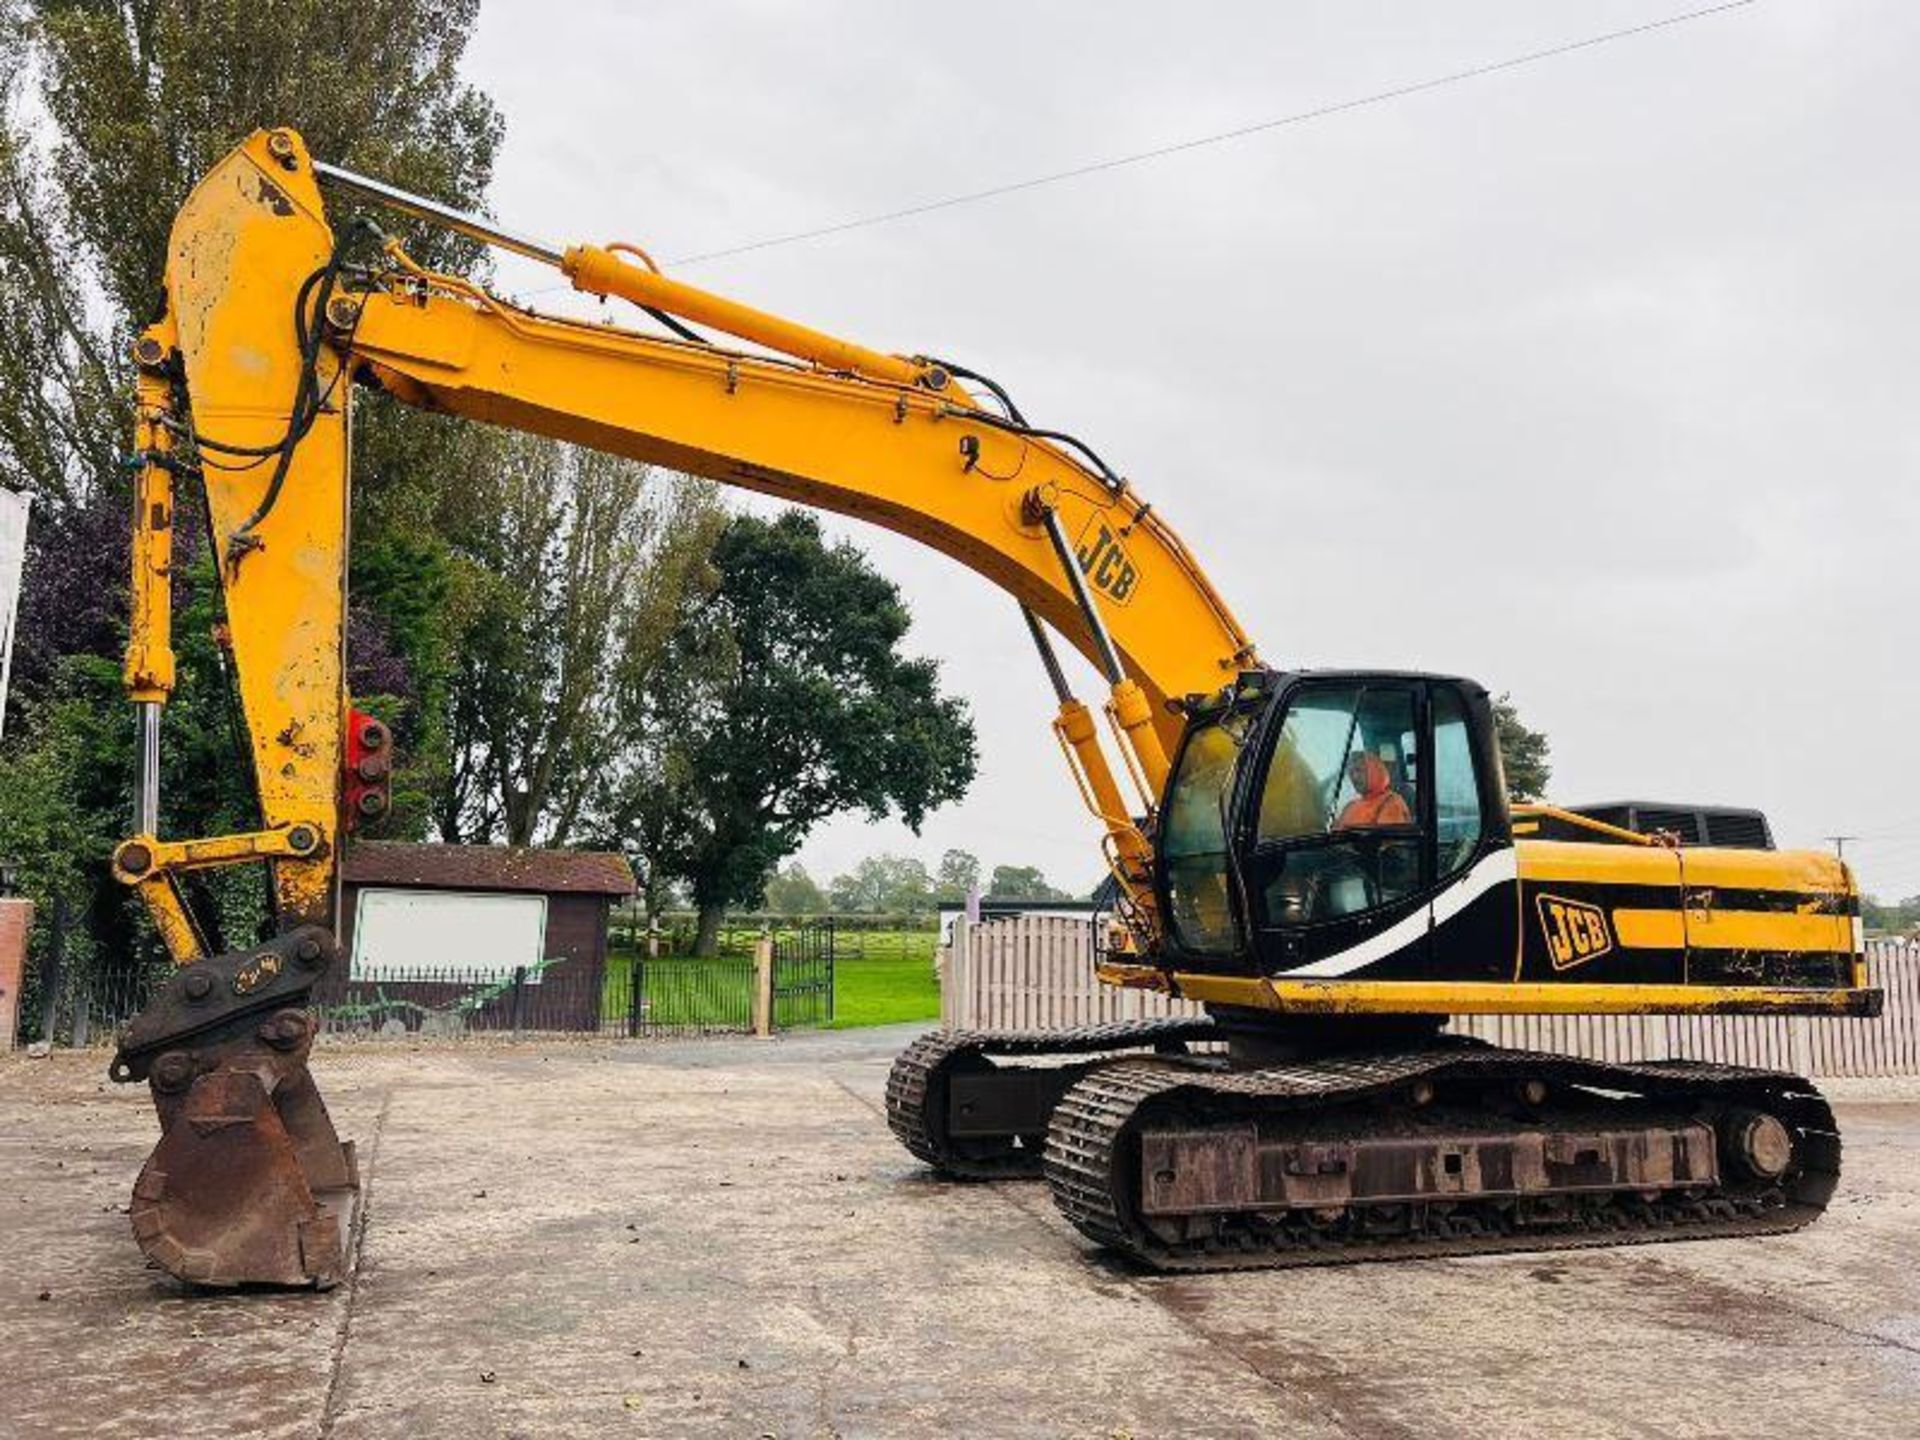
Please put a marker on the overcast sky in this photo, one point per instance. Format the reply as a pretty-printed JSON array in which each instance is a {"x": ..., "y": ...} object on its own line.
[{"x": 1596, "y": 380}]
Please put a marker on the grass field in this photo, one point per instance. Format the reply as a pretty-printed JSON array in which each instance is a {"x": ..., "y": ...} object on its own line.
[
  {"x": 884, "y": 991},
  {"x": 881, "y": 977}
]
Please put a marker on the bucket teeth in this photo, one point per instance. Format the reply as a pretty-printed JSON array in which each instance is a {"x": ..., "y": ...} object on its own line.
[{"x": 250, "y": 1184}]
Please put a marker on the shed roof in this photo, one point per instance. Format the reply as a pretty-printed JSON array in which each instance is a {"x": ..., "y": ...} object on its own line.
[{"x": 487, "y": 867}]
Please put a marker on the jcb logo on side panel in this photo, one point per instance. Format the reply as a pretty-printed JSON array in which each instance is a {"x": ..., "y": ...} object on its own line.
[
  {"x": 1105, "y": 562},
  {"x": 1576, "y": 932}
]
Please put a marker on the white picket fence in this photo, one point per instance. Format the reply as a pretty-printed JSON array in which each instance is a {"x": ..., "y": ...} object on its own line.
[{"x": 1035, "y": 972}]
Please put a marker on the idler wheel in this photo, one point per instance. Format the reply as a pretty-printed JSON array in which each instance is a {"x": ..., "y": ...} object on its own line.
[{"x": 1760, "y": 1143}]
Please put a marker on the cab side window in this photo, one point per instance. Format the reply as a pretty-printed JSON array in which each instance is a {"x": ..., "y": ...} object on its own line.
[{"x": 1456, "y": 783}]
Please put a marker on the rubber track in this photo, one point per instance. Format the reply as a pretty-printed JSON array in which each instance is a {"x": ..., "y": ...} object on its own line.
[
  {"x": 1085, "y": 1168},
  {"x": 916, "y": 1088}
]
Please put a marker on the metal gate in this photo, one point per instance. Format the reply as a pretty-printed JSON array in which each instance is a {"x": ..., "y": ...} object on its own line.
[
  {"x": 803, "y": 975},
  {"x": 679, "y": 995}
]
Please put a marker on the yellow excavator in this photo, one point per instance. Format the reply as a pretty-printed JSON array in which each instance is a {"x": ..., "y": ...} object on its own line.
[{"x": 1326, "y": 860}]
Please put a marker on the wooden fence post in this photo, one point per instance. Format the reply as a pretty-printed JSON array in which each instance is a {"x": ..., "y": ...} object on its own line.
[
  {"x": 1799, "y": 1056},
  {"x": 956, "y": 976},
  {"x": 763, "y": 986}
]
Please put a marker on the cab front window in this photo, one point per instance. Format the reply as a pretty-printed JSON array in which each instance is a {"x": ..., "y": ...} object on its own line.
[{"x": 1193, "y": 839}]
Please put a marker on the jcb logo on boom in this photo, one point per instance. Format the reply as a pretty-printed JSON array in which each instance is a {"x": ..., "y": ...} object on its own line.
[
  {"x": 1105, "y": 562},
  {"x": 1576, "y": 932}
]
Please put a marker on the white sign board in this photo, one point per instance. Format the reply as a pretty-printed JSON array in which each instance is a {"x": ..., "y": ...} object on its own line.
[
  {"x": 401, "y": 935},
  {"x": 13, "y": 559}
]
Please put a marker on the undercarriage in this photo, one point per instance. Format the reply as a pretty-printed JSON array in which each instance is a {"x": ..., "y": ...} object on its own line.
[{"x": 1211, "y": 1155}]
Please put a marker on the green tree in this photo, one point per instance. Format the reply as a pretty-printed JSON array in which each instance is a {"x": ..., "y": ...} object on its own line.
[
  {"x": 62, "y": 405},
  {"x": 663, "y": 691},
  {"x": 576, "y": 564},
  {"x": 806, "y": 708},
  {"x": 793, "y": 892},
  {"x": 884, "y": 884},
  {"x": 146, "y": 96},
  {"x": 959, "y": 872},
  {"x": 60, "y": 812},
  {"x": 1523, "y": 752},
  {"x": 1022, "y": 882},
  {"x": 1888, "y": 917}
]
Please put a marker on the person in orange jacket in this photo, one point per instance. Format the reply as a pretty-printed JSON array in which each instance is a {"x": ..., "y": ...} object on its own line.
[{"x": 1377, "y": 803}]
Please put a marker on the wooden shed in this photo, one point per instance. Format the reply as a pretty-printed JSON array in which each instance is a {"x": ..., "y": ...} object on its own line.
[{"x": 430, "y": 916}]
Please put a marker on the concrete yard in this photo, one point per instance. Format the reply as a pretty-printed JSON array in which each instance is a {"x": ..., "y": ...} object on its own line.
[{"x": 721, "y": 1238}]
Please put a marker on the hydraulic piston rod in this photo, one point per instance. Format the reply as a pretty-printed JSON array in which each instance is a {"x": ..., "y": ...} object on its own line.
[
  {"x": 146, "y": 810},
  {"x": 598, "y": 270},
  {"x": 1128, "y": 852},
  {"x": 1055, "y": 675},
  {"x": 1131, "y": 713},
  {"x": 1109, "y": 657},
  {"x": 461, "y": 222}
]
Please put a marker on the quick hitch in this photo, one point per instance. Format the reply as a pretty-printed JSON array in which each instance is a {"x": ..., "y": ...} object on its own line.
[{"x": 250, "y": 1183}]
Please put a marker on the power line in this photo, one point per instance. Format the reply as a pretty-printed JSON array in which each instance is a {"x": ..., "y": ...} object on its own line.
[
  {"x": 1880, "y": 851},
  {"x": 1907, "y": 826},
  {"x": 1161, "y": 152}
]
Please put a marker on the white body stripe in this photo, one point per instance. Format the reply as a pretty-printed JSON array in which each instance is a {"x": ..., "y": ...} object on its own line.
[{"x": 1499, "y": 868}]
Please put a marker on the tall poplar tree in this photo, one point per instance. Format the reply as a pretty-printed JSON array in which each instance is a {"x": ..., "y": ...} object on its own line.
[{"x": 110, "y": 110}]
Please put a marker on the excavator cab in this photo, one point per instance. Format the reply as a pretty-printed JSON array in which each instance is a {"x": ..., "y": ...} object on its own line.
[{"x": 1314, "y": 820}]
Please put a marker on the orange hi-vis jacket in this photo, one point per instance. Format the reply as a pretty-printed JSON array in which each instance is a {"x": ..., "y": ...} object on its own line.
[{"x": 1378, "y": 804}]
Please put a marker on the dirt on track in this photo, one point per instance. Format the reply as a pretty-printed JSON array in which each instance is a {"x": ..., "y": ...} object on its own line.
[{"x": 722, "y": 1238}]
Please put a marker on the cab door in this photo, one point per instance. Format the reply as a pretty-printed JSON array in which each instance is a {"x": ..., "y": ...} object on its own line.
[{"x": 1334, "y": 842}]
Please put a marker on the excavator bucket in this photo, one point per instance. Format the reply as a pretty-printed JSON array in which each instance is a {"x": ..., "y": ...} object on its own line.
[{"x": 250, "y": 1184}]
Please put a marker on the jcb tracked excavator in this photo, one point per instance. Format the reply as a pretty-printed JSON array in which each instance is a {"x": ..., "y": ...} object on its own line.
[{"x": 1326, "y": 860}]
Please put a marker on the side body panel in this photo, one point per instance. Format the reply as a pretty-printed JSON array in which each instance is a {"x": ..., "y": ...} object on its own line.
[
  {"x": 1601, "y": 928},
  {"x": 1600, "y": 914},
  {"x": 1791, "y": 917}
]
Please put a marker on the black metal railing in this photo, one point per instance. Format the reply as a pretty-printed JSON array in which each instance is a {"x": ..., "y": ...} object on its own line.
[
  {"x": 675, "y": 995},
  {"x": 445, "y": 1000},
  {"x": 858, "y": 936},
  {"x": 82, "y": 1009},
  {"x": 643, "y": 989}
]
